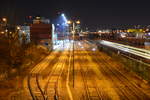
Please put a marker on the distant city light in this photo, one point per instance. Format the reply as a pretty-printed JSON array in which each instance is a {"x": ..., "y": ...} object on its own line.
[
  {"x": 6, "y": 30},
  {"x": 18, "y": 28},
  {"x": 99, "y": 31},
  {"x": 38, "y": 18},
  {"x": 23, "y": 32},
  {"x": 123, "y": 35},
  {"x": 79, "y": 43},
  {"x": 93, "y": 49},
  {"x": 2, "y": 32}
]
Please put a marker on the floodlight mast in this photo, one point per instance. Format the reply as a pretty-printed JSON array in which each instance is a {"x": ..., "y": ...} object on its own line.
[{"x": 64, "y": 25}]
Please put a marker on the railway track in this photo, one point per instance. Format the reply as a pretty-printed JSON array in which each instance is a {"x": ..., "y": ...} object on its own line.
[
  {"x": 108, "y": 74},
  {"x": 91, "y": 90},
  {"x": 35, "y": 90},
  {"x": 92, "y": 78},
  {"x": 120, "y": 92},
  {"x": 51, "y": 88},
  {"x": 128, "y": 90},
  {"x": 33, "y": 83},
  {"x": 125, "y": 87}
]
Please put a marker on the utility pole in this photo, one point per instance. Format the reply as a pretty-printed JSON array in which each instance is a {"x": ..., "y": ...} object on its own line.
[
  {"x": 73, "y": 61},
  {"x": 73, "y": 32},
  {"x": 63, "y": 39}
]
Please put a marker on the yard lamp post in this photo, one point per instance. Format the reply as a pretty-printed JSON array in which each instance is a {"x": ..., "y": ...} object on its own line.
[{"x": 73, "y": 32}]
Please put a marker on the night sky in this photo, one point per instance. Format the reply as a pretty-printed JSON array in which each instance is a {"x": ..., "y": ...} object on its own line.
[{"x": 92, "y": 13}]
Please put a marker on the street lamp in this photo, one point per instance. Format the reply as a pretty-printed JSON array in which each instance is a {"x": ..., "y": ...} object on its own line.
[
  {"x": 69, "y": 22},
  {"x": 73, "y": 25},
  {"x": 4, "y": 19},
  {"x": 78, "y": 22},
  {"x": 6, "y": 30},
  {"x": 73, "y": 31},
  {"x": 18, "y": 28}
]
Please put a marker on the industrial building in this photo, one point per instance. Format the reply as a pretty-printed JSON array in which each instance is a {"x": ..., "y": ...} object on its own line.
[{"x": 41, "y": 32}]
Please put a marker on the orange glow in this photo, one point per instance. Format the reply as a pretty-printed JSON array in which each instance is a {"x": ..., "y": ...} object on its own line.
[
  {"x": 69, "y": 22},
  {"x": 4, "y": 19},
  {"x": 78, "y": 22}
]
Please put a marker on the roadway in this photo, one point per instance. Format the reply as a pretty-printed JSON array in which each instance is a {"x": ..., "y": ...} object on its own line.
[{"x": 96, "y": 76}]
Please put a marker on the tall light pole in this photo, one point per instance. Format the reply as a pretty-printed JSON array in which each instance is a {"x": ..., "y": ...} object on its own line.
[
  {"x": 73, "y": 31},
  {"x": 73, "y": 62},
  {"x": 64, "y": 24},
  {"x": 4, "y": 24},
  {"x": 73, "y": 23}
]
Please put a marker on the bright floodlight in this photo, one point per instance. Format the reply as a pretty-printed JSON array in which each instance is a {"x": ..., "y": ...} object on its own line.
[
  {"x": 64, "y": 19},
  {"x": 63, "y": 15}
]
